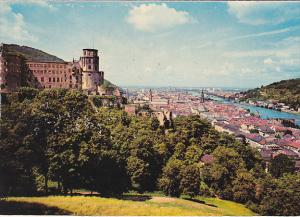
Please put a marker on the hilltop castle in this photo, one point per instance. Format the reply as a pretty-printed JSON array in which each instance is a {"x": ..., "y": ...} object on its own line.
[{"x": 47, "y": 71}]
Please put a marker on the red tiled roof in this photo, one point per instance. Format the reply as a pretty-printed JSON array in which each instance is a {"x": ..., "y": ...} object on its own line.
[{"x": 294, "y": 144}]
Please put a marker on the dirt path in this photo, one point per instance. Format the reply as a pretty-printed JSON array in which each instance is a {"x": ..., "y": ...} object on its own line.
[{"x": 163, "y": 199}]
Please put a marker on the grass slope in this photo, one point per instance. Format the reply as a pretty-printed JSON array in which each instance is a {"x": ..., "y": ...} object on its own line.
[{"x": 89, "y": 205}]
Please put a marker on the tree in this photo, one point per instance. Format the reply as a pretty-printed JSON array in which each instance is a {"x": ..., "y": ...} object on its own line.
[
  {"x": 169, "y": 183},
  {"x": 101, "y": 169},
  {"x": 221, "y": 173},
  {"x": 281, "y": 164},
  {"x": 17, "y": 158},
  {"x": 283, "y": 199},
  {"x": 243, "y": 186},
  {"x": 193, "y": 154},
  {"x": 139, "y": 173},
  {"x": 190, "y": 180}
]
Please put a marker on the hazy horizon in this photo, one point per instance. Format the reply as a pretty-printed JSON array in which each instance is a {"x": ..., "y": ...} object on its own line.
[{"x": 165, "y": 44}]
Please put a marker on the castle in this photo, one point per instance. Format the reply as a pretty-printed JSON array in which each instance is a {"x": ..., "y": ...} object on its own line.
[{"x": 83, "y": 74}]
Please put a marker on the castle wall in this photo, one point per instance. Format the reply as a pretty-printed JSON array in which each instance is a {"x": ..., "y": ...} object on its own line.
[
  {"x": 10, "y": 72},
  {"x": 83, "y": 74},
  {"x": 54, "y": 75}
]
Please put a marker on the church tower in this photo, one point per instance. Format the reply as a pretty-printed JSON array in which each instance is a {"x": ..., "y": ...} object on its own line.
[
  {"x": 150, "y": 95},
  {"x": 202, "y": 97},
  {"x": 92, "y": 78}
]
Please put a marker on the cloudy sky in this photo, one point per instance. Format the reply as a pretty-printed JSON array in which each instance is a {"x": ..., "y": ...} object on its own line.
[{"x": 224, "y": 44}]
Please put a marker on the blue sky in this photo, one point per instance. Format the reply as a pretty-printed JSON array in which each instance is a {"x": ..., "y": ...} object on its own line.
[{"x": 224, "y": 44}]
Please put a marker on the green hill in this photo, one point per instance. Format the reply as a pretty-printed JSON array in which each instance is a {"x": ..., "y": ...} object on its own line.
[
  {"x": 30, "y": 54},
  {"x": 128, "y": 205},
  {"x": 285, "y": 91}
]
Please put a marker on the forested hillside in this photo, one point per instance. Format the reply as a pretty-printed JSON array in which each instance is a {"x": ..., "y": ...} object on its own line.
[
  {"x": 286, "y": 91},
  {"x": 30, "y": 54},
  {"x": 56, "y": 135}
]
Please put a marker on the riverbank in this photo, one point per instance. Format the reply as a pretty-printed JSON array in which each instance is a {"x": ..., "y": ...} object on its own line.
[{"x": 264, "y": 113}]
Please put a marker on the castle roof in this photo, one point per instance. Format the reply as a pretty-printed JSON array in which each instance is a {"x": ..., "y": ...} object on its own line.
[{"x": 90, "y": 49}]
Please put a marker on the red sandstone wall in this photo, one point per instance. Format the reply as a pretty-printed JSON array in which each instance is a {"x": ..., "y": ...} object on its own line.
[
  {"x": 10, "y": 72},
  {"x": 54, "y": 75}
]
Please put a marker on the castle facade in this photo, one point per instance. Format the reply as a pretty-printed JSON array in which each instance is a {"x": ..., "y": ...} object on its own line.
[{"x": 82, "y": 75}]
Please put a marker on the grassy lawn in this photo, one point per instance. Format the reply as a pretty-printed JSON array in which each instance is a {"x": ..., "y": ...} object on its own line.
[{"x": 128, "y": 205}]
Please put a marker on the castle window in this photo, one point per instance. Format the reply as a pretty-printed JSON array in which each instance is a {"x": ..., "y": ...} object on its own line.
[
  {"x": 70, "y": 77},
  {"x": 70, "y": 85},
  {"x": 53, "y": 79},
  {"x": 89, "y": 67},
  {"x": 89, "y": 60},
  {"x": 49, "y": 79},
  {"x": 57, "y": 79},
  {"x": 42, "y": 79}
]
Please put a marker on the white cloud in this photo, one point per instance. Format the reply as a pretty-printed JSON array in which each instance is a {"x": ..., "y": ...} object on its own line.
[
  {"x": 260, "y": 13},
  {"x": 13, "y": 27},
  {"x": 268, "y": 33},
  {"x": 268, "y": 61},
  {"x": 155, "y": 17},
  {"x": 40, "y": 3}
]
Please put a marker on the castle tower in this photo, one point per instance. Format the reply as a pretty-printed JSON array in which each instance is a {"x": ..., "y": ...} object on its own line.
[{"x": 92, "y": 78}]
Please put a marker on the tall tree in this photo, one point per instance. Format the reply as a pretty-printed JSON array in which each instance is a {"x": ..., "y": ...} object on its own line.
[{"x": 281, "y": 164}]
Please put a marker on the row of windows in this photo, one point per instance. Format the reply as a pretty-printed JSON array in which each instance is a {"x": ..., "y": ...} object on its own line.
[
  {"x": 90, "y": 67},
  {"x": 56, "y": 79},
  {"x": 88, "y": 53},
  {"x": 70, "y": 86},
  {"x": 49, "y": 71},
  {"x": 48, "y": 65}
]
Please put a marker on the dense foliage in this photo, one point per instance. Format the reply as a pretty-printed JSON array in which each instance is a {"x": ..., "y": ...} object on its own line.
[
  {"x": 57, "y": 135},
  {"x": 30, "y": 53},
  {"x": 286, "y": 91}
]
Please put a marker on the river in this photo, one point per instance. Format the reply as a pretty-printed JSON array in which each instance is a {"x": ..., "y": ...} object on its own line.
[{"x": 263, "y": 112}]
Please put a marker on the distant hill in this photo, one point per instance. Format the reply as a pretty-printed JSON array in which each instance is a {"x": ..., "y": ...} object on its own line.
[
  {"x": 31, "y": 54},
  {"x": 285, "y": 91}
]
